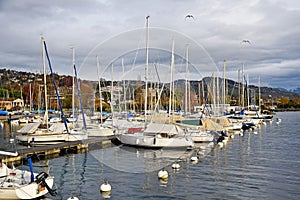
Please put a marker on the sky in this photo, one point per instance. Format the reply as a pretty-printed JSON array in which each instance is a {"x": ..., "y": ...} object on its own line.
[{"x": 115, "y": 29}]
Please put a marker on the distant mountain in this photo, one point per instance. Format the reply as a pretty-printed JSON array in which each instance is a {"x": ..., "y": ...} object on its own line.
[
  {"x": 297, "y": 90},
  {"x": 283, "y": 89},
  {"x": 266, "y": 92}
]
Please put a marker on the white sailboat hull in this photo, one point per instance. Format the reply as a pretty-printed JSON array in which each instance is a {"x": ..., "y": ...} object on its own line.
[
  {"x": 98, "y": 131},
  {"x": 51, "y": 138},
  {"x": 137, "y": 139},
  {"x": 200, "y": 136}
]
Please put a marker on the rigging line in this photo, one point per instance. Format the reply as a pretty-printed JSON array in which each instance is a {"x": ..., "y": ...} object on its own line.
[
  {"x": 80, "y": 99},
  {"x": 139, "y": 47},
  {"x": 56, "y": 90},
  {"x": 157, "y": 72}
]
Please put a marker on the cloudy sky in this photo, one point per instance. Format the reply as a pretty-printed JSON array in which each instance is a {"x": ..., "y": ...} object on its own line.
[{"x": 218, "y": 28}]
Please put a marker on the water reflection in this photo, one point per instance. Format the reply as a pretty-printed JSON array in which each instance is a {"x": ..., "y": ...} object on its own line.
[{"x": 139, "y": 160}]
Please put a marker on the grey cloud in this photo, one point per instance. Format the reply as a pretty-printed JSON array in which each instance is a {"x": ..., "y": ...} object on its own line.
[{"x": 271, "y": 26}]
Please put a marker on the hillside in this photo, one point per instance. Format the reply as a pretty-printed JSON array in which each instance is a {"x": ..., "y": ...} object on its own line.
[{"x": 15, "y": 84}]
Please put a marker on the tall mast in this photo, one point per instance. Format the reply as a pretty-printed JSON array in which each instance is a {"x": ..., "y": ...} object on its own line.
[
  {"x": 186, "y": 78},
  {"x": 73, "y": 83},
  {"x": 243, "y": 88},
  {"x": 45, "y": 120},
  {"x": 217, "y": 105},
  {"x": 189, "y": 95},
  {"x": 80, "y": 99},
  {"x": 214, "y": 90},
  {"x": 259, "y": 97},
  {"x": 171, "y": 82},
  {"x": 224, "y": 84},
  {"x": 146, "y": 70},
  {"x": 111, "y": 91},
  {"x": 100, "y": 90},
  {"x": 56, "y": 90},
  {"x": 248, "y": 91},
  {"x": 239, "y": 88},
  {"x": 30, "y": 98},
  {"x": 124, "y": 88},
  {"x": 203, "y": 97}
]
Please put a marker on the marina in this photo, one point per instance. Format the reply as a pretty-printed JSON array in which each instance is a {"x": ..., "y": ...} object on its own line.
[
  {"x": 150, "y": 114},
  {"x": 248, "y": 166}
]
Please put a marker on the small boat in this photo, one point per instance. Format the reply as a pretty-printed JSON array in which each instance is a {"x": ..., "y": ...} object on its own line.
[
  {"x": 22, "y": 184},
  {"x": 34, "y": 135},
  {"x": 157, "y": 136},
  {"x": 201, "y": 135}
]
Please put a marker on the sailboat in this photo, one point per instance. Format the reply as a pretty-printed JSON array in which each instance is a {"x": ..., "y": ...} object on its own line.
[
  {"x": 102, "y": 129},
  {"x": 34, "y": 134},
  {"x": 23, "y": 184},
  {"x": 157, "y": 135}
]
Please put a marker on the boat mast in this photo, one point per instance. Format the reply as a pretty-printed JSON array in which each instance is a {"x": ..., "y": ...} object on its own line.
[
  {"x": 80, "y": 99},
  {"x": 124, "y": 88},
  {"x": 146, "y": 70},
  {"x": 186, "y": 78},
  {"x": 30, "y": 98},
  {"x": 100, "y": 90},
  {"x": 56, "y": 90},
  {"x": 171, "y": 82},
  {"x": 73, "y": 84},
  {"x": 45, "y": 120},
  {"x": 243, "y": 88},
  {"x": 239, "y": 88},
  {"x": 217, "y": 105},
  {"x": 248, "y": 91},
  {"x": 259, "y": 96},
  {"x": 224, "y": 84},
  {"x": 111, "y": 92}
]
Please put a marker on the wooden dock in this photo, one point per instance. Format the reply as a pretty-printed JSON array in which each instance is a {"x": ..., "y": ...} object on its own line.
[{"x": 56, "y": 150}]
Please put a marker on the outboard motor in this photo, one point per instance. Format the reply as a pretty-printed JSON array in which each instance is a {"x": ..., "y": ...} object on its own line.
[{"x": 41, "y": 179}]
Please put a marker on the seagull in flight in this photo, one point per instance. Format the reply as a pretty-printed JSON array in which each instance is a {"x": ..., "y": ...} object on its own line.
[
  {"x": 189, "y": 16},
  {"x": 246, "y": 41}
]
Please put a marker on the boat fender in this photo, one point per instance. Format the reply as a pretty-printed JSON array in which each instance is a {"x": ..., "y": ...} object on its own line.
[{"x": 41, "y": 179}]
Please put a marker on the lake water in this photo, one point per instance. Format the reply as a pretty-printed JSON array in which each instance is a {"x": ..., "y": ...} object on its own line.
[{"x": 265, "y": 165}]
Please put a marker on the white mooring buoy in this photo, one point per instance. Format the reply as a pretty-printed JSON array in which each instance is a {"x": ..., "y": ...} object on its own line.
[
  {"x": 194, "y": 159},
  {"x": 163, "y": 174},
  {"x": 105, "y": 187},
  {"x": 175, "y": 166},
  {"x": 73, "y": 198}
]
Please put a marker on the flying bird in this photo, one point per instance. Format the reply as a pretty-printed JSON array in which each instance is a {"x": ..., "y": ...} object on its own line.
[
  {"x": 147, "y": 16},
  {"x": 246, "y": 41},
  {"x": 189, "y": 16}
]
